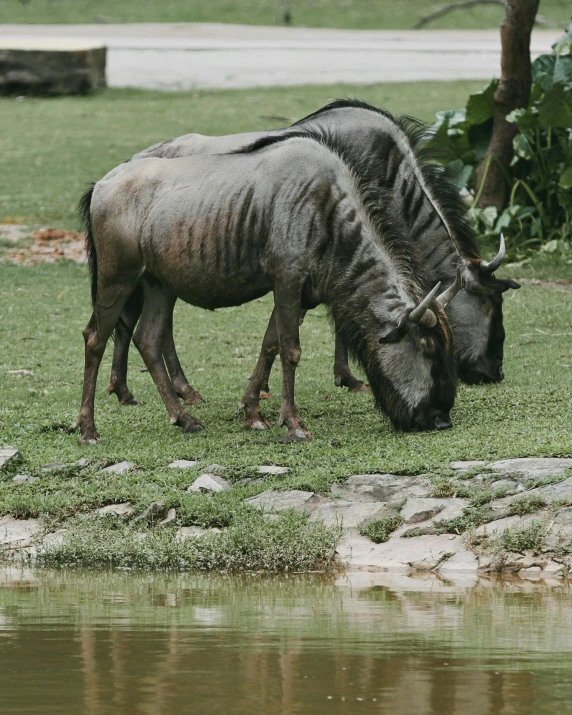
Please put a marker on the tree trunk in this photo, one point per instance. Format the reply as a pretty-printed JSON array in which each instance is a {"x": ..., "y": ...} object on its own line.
[{"x": 512, "y": 92}]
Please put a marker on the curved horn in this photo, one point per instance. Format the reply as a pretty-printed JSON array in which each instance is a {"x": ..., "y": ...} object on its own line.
[
  {"x": 447, "y": 295},
  {"x": 497, "y": 260},
  {"x": 422, "y": 315}
]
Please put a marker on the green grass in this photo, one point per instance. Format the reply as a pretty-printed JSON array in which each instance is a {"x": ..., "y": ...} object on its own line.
[
  {"x": 51, "y": 148},
  {"x": 379, "y": 530},
  {"x": 358, "y": 14}
]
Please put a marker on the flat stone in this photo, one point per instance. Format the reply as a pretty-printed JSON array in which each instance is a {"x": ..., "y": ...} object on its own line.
[
  {"x": 532, "y": 467},
  {"x": 55, "y": 538},
  {"x": 551, "y": 492},
  {"x": 52, "y": 467},
  {"x": 530, "y": 571},
  {"x": 122, "y": 509},
  {"x": 84, "y": 462},
  {"x": 183, "y": 464},
  {"x": 348, "y": 514},
  {"x": 8, "y": 453},
  {"x": 272, "y": 469},
  {"x": 421, "y": 509},
  {"x": 498, "y": 527},
  {"x": 217, "y": 469},
  {"x": 462, "y": 467},
  {"x": 382, "y": 487},
  {"x": 418, "y": 553},
  {"x": 274, "y": 499},
  {"x": 209, "y": 483},
  {"x": 170, "y": 518},
  {"x": 119, "y": 468},
  {"x": 18, "y": 532},
  {"x": 461, "y": 561},
  {"x": 195, "y": 531},
  {"x": 502, "y": 484},
  {"x": 23, "y": 479},
  {"x": 452, "y": 508},
  {"x": 155, "y": 511}
]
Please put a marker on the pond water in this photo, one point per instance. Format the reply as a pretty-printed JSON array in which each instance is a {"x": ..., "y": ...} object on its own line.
[{"x": 374, "y": 643}]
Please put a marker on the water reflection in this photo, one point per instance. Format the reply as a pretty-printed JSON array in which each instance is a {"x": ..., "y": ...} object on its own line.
[{"x": 127, "y": 643}]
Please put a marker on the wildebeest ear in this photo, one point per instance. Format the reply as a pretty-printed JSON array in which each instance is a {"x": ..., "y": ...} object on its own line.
[
  {"x": 501, "y": 285},
  {"x": 393, "y": 335}
]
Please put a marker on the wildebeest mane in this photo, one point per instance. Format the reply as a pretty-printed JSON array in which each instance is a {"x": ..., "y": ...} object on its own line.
[
  {"x": 361, "y": 172},
  {"x": 441, "y": 192}
]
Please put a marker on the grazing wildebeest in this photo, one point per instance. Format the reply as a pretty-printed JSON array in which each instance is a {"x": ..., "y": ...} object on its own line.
[
  {"x": 411, "y": 201},
  {"x": 222, "y": 230}
]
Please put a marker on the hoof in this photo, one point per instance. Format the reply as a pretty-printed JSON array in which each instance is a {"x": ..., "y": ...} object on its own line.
[
  {"x": 359, "y": 387},
  {"x": 265, "y": 395},
  {"x": 257, "y": 424},
  {"x": 90, "y": 438},
  {"x": 195, "y": 427},
  {"x": 338, "y": 382},
  {"x": 193, "y": 398},
  {"x": 131, "y": 401}
]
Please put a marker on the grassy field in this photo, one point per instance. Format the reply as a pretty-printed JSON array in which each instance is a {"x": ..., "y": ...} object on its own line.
[
  {"x": 50, "y": 149},
  {"x": 358, "y": 14}
]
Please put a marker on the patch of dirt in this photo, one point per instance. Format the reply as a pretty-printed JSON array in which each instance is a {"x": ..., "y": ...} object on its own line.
[{"x": 50, "y": 245}]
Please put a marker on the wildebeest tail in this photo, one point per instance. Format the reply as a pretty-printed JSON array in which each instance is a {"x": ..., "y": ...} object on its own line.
[{"x": 85, "y": 216}]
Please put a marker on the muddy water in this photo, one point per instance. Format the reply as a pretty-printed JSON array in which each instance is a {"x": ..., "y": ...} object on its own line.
[{"x": 367, "y": 643}]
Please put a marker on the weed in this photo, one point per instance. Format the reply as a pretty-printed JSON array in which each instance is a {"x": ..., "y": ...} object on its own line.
[
  {"x": 378, "y": 530},
  {"x": 526, "y": 505}
]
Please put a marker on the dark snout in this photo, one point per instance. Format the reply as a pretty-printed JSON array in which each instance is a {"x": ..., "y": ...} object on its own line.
[
  {"x": 426, "y": 421},
  {"x": 481, "y": 373}
]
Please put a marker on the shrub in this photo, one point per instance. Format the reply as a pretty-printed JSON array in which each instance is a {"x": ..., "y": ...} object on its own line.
[{"x": 378, "y": 530}]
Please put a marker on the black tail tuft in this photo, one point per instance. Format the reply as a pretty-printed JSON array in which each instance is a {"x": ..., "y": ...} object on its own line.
[{"x": 85, "y": 216}]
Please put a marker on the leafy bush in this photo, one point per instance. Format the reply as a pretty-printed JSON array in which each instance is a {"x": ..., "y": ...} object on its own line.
[{"x": 539, "y": 214}]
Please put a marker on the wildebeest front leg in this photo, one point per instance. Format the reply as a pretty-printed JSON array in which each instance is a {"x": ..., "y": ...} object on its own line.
[
  {"x": 259, "y": 378},
  {"x": 287, "y": 312},
  {"x": 149, "y": 339},
  {"x": 343, "y": 376}
]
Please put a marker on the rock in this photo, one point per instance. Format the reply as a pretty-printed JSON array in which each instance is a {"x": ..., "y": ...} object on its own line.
[
  {"x": 23, "y": 479},
  {"x": 197, "y": 531},
  {"x": 560, "y": 531},
  {"x": 183, "y": 464},
  {"x": 532, "y": 467},
  {"x": 498, "y": 527},
  {"x": 217, "y": 469},
  {"x": 273, "y": 470},
  {"x": 209, "y": 483},
  {"x": 551, "y": 492},
  {"x": 55, "y": 538},
  {"x": 119, "y": 468},
  {"x": 170, "y": 518},
  {"x": 52, "y": 467},
  {"x": 350, "y": 514},
  {"x": 382, "y": 488},
  {"x": 18, "y": 533},
  {"x": 504, "y": 484},
  {"x": 417, "y": 553},
  {"x": 122, "y": 509},
  {"x": 31, "y": 67},
  {"x": 452, "y": 508},
  {"x": 462, "y": 467},
  {"x": 81, "y": 463},
  {"x": 461, "y": 561},
  {"x": 248, "y": 481},
  {"x": 155, "y": 511},
  {"x": 421, "y": 509},
  {"x": 280, "y": 500},
  {"x": 530, "y": 571},
  {"x": 8, "y": 453}
]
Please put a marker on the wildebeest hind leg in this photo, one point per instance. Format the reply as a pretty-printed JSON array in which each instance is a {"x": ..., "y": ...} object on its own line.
[
  {"x": 287, "y": 311},
  {"x": 111, "y": 297},
  {"x": 343, "y": 376},
  {"x": 182, "y": 387},
  {"x": 148, "y": 339},
  {"x": 259, "y": 378},
  {"x": 123, "y": 334}
]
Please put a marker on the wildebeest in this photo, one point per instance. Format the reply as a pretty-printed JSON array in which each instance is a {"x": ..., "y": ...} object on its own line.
[
  {"x": 222, "y": 230},
  {"x": 410, "y": 200}
]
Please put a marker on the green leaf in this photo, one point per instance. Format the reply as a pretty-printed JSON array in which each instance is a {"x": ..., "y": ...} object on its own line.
[
  {"x": 481, "y": 105},
  {"x": 459, "y": 173},
  {"x": 550, "y": 246},
  {"x": 566, "y": 179},
  {"x": 525, "y": 119},
  {"x": 522, "y": 147},
  {"x": 543, "y": 70},
  {"x": 563, "y": 71},
  {"x": 555, "y": 108}
]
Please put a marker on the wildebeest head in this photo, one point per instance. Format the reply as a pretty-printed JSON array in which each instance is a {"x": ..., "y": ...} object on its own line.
[
  {"x": 410, "y": 365},
  {"x": 477, "y": 321}
]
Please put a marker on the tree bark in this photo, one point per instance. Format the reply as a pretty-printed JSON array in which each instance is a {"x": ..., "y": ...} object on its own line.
[{"x": 512, "y": 92}]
